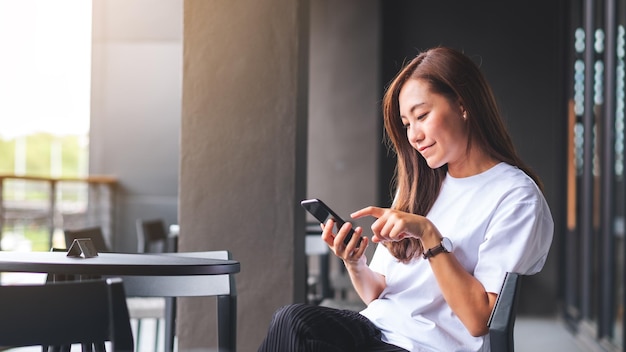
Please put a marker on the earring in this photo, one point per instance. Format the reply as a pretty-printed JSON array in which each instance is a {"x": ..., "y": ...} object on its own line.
[{"x": 464, "y": 115}]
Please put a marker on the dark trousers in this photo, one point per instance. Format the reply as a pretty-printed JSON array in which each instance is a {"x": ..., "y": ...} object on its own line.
[{"x": 308, "y": 328}]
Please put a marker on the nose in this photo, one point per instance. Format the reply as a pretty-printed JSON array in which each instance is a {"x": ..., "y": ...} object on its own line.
[{"x": 414, "y": 134}]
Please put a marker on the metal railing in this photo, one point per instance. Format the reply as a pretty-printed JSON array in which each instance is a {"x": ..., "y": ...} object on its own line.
[{"x": 56, "y": 203}]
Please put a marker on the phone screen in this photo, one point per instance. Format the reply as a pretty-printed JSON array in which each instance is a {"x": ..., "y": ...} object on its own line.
[{"x": 322, "y": 213}]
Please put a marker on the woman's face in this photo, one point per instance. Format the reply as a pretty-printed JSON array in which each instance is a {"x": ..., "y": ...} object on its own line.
[{"x": 435, "y": 126}]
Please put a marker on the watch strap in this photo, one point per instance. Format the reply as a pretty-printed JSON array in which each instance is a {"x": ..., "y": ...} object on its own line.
[{"x": 435, "y": 250}]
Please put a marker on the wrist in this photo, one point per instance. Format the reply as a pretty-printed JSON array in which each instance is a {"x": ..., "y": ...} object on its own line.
[
  {"x": 430, "y": 237},
  {"x": 445, "y": 246},
  {"x": 433, "y": 243},
  {"x": 355, "y": 265}
]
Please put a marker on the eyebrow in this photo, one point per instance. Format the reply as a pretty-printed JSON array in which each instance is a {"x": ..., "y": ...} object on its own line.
[{"x": 415, "y": 106}]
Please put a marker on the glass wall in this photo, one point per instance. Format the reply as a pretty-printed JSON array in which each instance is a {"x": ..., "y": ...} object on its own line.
[
  {"x": 594, "y": 281},
  {"x": 45, "y": 93}
]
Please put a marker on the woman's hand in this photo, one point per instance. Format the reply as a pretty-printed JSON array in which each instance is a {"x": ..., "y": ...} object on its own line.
[
  {"x": 394, "y": 225},
  {"x": 472, "y": 304},
  {"x": 367, "y": 283},
  {"x": 349, "y": 253}
]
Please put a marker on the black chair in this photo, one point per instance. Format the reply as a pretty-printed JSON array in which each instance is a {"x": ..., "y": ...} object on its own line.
[
  {"x": 61, "y": 314},
  {"x": 502, "y": 320},
  {"x": 152, "y": 237},
  {"x": 139, "y": 307},
  {"x": 318, "y": 254},
  {"x": 328, "y": 288}
]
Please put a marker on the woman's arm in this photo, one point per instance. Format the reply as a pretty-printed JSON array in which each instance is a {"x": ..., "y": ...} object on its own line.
[
  {"x": 462, "y": 291},
  {"x": 367, "y": 283},
  {"x": 465, "y": 295}
]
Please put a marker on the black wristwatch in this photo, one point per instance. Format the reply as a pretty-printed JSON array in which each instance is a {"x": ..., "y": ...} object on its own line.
[{"x": 444, "y": 247}]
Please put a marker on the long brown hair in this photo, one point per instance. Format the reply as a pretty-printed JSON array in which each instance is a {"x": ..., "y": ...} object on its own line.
[{"x": 452, "y": 74}]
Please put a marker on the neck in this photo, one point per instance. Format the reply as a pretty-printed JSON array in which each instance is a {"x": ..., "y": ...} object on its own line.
[{"x": 476, "y": 162}]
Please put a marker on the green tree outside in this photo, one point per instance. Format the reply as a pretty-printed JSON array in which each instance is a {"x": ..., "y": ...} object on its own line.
[{"x": 70, "y": 160}]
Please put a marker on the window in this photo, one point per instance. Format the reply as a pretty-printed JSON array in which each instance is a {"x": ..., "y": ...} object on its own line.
[
  {"x": 595, "y": 245},
  {"x": 45, "y": 92}
]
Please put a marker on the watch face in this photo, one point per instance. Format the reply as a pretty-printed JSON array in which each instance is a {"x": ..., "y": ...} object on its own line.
[{"x": 447, "y": 244}]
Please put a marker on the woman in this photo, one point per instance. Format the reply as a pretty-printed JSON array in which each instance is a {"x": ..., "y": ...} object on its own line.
[{"x": 466, "y": 211}]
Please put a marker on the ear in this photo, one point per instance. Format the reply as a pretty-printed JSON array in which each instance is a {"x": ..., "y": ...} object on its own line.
[{"x": 462, "y": 110}]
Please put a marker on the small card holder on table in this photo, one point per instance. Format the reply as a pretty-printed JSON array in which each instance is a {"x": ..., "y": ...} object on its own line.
[{"x": 82, "y": 248}]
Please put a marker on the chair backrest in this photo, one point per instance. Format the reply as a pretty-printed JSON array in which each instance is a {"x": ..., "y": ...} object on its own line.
[
  {"x": 95, "y": 233},
  {"x": 502, "y": 320},
  {"x": 56, "y": 314},
  {"x": 152, "y": 237}
]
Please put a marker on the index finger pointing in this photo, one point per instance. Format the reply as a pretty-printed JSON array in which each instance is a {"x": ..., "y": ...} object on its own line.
[{"x": 369, "y": 211}]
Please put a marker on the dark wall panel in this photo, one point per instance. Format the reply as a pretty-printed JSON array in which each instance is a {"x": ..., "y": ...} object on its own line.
[{"x": 519, "y": 48}]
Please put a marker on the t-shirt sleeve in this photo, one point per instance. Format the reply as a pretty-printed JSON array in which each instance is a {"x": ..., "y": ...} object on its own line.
[
  {"x": 517, "y": 240},
  {"x": 380, "y": 260}
]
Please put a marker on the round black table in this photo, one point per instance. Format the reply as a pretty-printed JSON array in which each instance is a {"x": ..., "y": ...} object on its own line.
[
  {"x": 166, "y": 264},
  {"x": 150, "y": 275}
]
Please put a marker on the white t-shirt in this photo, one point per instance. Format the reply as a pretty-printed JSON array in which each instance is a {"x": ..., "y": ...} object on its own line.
[{"x": 498, "y": 221}]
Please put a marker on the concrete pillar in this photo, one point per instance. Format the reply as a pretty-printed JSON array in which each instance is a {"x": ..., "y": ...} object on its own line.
[{"x": 243, "y": 156}]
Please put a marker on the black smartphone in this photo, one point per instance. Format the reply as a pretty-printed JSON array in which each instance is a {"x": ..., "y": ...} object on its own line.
[{"x": 322, "y": 213}]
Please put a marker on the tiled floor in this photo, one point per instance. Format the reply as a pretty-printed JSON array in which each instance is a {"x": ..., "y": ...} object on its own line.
[
  {"x": 531, "y": 335},
  {"x": 146, "y": 343},
  {"x": 543, "y": 334}
]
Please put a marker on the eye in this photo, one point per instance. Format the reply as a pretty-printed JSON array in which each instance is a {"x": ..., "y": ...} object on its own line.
[
  {"x": 422, "y": 116},
  {"x": 406, "y": 126}
]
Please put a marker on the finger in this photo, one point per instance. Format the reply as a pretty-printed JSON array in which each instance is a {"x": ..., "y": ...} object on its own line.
[
  {"x": 327, "y": 234},
  {"x": 378, "y": 225},
  {"x": 362, "y": 247},
  {"x": 357, "y": 240},
  {"x": 341, "y": 235},
  {"x": 328, "y": 238},
  {"x": 387, "y": 231},
  {"x": 328, "y": 225},
  {"x": 399, "y": 231},
  {"x": 369, "y": 211},
  {"x": 352, "y": 253},
  {"x": 354, "y": 241}
]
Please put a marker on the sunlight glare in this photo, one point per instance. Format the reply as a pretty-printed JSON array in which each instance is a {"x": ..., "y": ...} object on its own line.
[{"x": 45, "y": 67}]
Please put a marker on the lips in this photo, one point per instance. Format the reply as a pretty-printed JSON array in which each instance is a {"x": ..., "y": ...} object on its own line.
[{"x": 422, "y": 149}]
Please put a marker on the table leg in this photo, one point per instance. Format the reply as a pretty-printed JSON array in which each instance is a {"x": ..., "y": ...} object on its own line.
[
  {"x": 227, "y": 323},
  {"x": 170, "y": 323}
]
